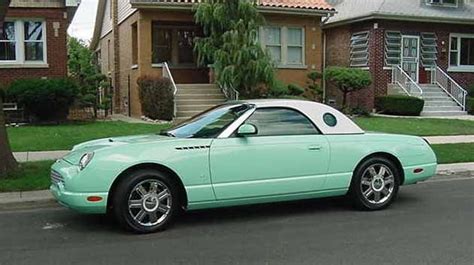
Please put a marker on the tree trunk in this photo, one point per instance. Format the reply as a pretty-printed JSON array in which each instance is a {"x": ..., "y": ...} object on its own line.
[{"x": 7, "y": 161}]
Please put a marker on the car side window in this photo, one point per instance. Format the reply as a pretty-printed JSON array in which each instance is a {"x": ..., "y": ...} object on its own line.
[{"x": 281, "y": 121}]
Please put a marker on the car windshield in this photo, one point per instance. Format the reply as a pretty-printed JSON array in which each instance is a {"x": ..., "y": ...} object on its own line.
[{"x": 210, "y": 123}]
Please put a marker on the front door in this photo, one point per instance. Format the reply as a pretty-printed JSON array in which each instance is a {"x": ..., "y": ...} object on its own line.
[
  {"x": 410, "y": 56},
  {"x": 287, "y": 155}
]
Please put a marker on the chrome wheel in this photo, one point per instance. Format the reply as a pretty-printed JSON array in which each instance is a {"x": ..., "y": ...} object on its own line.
[
  {"x": 150, "y": 202},
  {"x": 377, "y": 183}
]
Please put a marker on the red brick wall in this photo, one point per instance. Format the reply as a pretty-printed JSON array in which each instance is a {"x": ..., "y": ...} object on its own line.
[
  {"x": 338, "y": 54},
  {"x": 56, "y": 46}
]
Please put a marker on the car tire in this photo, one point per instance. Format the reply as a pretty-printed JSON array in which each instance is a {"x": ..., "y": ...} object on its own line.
[
  {"x": 146, "y": 201},
  {"x": 375, "y": 184}
]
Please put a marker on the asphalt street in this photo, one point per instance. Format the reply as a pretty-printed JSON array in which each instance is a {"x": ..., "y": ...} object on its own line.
[{"x": 430, "y": 223}]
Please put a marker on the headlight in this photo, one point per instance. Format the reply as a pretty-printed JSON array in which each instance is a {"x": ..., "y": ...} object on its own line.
[{"x": 85, "y": 159}]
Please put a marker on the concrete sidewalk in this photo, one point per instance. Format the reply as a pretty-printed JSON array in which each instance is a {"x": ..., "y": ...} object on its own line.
[
  {"x": 43, "y": 198},
  {"x": 39, "y": 155},
  {"x": 452, "y": 139},
  {"x": 454, "y": 117}
]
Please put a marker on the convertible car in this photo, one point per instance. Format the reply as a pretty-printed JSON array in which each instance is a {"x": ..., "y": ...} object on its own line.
[{"x": 240, "y": 152}]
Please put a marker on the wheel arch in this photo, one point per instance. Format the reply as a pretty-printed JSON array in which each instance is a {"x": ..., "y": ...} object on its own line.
[
  {"x": 153, "y": 166},
  {"x": 388, "y": 156}
]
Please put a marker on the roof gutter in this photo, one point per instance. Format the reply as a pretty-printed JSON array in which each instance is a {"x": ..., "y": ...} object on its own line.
[
  {"x": 396, "y": 17},
  {"x": 263, "y": 9}
]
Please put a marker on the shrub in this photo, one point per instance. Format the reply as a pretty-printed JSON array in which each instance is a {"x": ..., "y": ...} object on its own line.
[
  {"x": 156, "y": 97},
  {"x": 470, "y": 91},
  {"x": 399, "y": 105},
  {"x": 470, "y": 105},
  {"x": 348, "y": 80},
  {"x": 278, "y": 89},
  {"x": 295, "y": 90},
  {"x": 47, "y": 99}
]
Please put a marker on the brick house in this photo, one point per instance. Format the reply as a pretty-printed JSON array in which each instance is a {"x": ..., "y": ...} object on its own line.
[
  {"x": 33, "y": 39},
  {"x": 423, "y": 48},
  {"x": 135, "y": 37}
]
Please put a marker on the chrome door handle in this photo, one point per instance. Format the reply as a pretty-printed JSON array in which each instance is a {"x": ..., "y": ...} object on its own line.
[{"x": 315, "y": 147}]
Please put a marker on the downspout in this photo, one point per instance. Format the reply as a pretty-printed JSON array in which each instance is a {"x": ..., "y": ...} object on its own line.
[{"x": 324, "y": 55}]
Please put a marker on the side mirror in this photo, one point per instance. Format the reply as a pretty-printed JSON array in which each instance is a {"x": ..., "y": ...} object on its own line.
[{"x": 247, "y": 129}]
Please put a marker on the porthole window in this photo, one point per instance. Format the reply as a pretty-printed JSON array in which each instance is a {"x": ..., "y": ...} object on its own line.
[{"x": 330, "y": 119}]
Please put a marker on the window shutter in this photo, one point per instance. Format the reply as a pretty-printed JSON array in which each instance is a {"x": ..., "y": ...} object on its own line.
[
  {"x": 360, "y": 49},
  {"x": 429, "y": 49},
  {"x": 393, "y": 46}
]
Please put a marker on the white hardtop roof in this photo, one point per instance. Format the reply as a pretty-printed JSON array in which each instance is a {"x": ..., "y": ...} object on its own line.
[{"x": 314, "y": 111}]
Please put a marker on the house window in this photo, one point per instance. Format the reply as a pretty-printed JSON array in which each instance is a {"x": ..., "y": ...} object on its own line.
[
  {"x": 359, "y": 49},
  {"x": 461, "y": 52},
  {"x": 22, "y": 42},
  {"x": 284, "y": 44},
  {"x": 173, "y": 44},
  {"x": 8, "y": 42},
  {"x": 134, "y": 44},
  {"x": 450, "y": 3},
  {"x": 33, "y": 41},
  {"x": 429, "y": 49}
]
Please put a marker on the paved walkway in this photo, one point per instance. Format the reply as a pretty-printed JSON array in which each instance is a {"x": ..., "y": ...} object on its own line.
[
  {"x": 460, "y": 117},
  {"x": 39, "y": 156},
  {"x": 452, "y": 139}
]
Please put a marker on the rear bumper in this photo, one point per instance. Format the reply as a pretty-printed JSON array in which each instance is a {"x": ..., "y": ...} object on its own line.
[
  {"x": 78, "y": 201},
  {"x": 428, "y": 170}
]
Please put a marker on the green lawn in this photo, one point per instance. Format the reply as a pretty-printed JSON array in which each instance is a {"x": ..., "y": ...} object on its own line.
[
  {"x": 64, "y": 137},
  {"x": 31, "y": 176},
  {"x": 35, "y": 175},
  {"x": 454, "y": 153},
  {"x": 414, "y": 126}
]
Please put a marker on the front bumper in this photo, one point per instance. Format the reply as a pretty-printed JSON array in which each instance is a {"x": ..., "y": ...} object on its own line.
[
  {"x": 78, "y": 201},
  {"x": 62, "y": 188}
]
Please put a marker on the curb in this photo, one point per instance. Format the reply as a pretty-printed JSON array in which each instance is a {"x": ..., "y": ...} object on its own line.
[{"x": 26, "y": 200}]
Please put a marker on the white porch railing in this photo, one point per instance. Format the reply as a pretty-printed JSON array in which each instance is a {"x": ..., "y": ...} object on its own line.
[
  {"x": 167, "y": 73},
  {"x": 402, "y": 79},
  {"x": 451, "y": 87},
  {"x": 230, "y": 92}
]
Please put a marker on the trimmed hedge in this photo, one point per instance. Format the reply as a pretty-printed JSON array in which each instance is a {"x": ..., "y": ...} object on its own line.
[
  {"x": 156, "y": 97},
  {"x": 46, "y": 99},
  {"x": 470, "y": 105},
  {"x": 399, "y": 105}
]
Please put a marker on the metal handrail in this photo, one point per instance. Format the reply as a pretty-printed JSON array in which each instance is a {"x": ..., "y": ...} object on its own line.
[
  {"x": 230, "y": 92},
  {"x": 167, "y": 73},
  {"x": 451, "y": 87},
  {"x": 400, "y": 77}
]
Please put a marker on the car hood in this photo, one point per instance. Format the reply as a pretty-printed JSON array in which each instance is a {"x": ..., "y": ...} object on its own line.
[{"x": 79, "y": 150}]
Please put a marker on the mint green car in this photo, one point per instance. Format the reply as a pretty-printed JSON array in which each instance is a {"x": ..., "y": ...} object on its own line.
[{"x": 241, "y": 152}]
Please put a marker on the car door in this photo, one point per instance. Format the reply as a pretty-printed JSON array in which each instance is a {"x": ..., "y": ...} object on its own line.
[{"x": 287, "y": 155}]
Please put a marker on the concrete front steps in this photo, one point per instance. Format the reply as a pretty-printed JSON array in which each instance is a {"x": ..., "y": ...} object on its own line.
[
  {"x": 438, "y": 103},
  {"x": 192, "y": 99}
]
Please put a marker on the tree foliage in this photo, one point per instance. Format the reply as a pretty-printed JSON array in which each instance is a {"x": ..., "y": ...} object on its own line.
[
  {"x": 230, "y": 45},
  {"x": 348, "y": 80},
  {"x": 87, "y": 75}
]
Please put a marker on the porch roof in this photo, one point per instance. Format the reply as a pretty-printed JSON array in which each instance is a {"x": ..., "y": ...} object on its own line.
[
  {"x": 292, "y": 4},
  {"x": 349, "y": 11}
]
